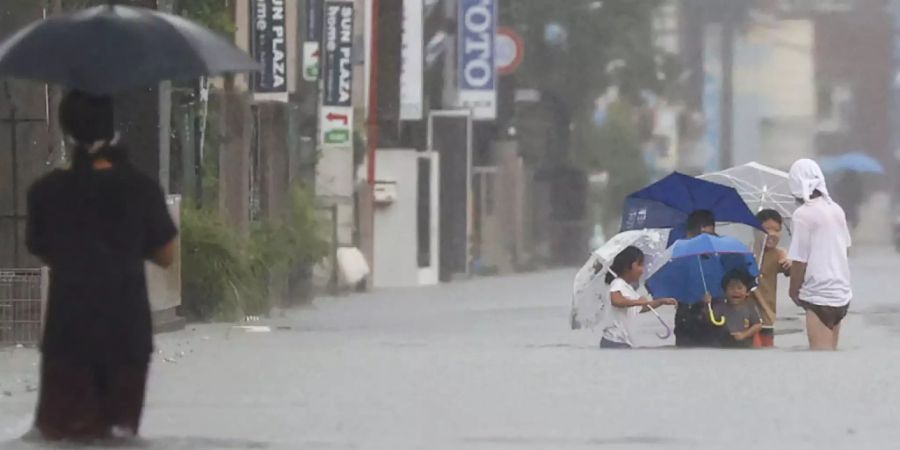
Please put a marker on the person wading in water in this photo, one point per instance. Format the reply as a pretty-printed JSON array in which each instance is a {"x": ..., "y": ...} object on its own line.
[{"x": 95, "y": 225}]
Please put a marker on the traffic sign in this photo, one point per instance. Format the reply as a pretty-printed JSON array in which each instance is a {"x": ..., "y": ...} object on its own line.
[{"x": 510, "y": 50}]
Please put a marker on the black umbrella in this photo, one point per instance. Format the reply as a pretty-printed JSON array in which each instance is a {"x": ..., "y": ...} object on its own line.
[{"x": 107, "y": 49}]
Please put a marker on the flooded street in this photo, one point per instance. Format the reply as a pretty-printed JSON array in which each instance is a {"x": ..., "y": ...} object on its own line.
[{"x": 490, "y": 364}]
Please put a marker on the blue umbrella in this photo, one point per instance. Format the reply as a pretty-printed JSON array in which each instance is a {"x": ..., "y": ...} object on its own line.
[
  {"x": 851, "y": 162},
  {"x": 668, "y": 202},
  {"x": 697, "y": 266}
]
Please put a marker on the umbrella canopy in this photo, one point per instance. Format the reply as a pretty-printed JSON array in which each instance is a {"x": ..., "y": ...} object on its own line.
[
  {"x": 761, "y": 187},
  {"x": 851, "y": 162},
  {"x": 590, "y": 291},
  {"x": 107, "y": 49},
  {"x": 668, "y": 202},
  {"x": 698, "y": 265}
]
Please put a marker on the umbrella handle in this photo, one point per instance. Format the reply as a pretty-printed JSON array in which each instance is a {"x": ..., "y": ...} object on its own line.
[
  {"x": 702, "y": 275},
  {"x": 712, "y": 316},
  {"x": 668, "y": 332}
]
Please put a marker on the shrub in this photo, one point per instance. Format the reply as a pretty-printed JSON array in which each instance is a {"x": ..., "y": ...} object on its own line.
[
  {"x": 212, "y": 264},
  {"x": 226, "y": 275}
]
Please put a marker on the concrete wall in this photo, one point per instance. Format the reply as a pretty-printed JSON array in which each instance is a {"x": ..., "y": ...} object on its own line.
[
  {"x": 164, "y": 285},
  {"x": 396, "y": 263}
]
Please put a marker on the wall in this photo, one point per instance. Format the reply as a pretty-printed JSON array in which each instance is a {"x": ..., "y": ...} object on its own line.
[
  {"x": 396, "y": 263},
  {"x": 164, "y": 285},
  {"x": 775, "y": 98}
]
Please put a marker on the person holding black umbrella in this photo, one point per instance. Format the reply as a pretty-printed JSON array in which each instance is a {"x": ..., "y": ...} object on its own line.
[
  {"x": 97, "y": 223},
  {"x": 94, "y": 225}
]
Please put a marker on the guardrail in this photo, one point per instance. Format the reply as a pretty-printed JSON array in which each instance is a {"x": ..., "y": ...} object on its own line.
[{"x": 23, "y": 294}]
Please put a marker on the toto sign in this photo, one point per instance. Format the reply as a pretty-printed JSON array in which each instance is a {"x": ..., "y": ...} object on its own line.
[{"x": 477, "y": 59}]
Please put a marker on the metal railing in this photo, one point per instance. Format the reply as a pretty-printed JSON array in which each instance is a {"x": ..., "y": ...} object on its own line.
[{"x": 22, "y": 299}]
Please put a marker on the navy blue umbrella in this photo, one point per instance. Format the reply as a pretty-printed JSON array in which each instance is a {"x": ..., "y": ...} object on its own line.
[{"x": 668, "y": 202}]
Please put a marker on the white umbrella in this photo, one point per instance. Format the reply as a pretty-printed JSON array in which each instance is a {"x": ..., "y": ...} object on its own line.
[
  {"x": 761, "y": 187},
  {"x": 590, "y": 292}
]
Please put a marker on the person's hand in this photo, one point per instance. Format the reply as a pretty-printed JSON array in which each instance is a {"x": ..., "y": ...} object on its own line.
[
  {"x": 785, "y": 264},
  {"x": 668, "y": 301},
  {"x": 707, "y": 298}
]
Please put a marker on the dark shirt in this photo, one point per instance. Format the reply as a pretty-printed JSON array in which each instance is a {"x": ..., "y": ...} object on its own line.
[
  {"x": 738, "y": 318},
  {"x": 95, "y": 231},
  {"x": 693, "y": 328}
]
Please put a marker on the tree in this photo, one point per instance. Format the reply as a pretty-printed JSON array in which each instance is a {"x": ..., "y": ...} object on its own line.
[
  {"x": 614, "y": 148},
  {"x": 214, "y": 14},
  {"x": 597, "y": 45}
]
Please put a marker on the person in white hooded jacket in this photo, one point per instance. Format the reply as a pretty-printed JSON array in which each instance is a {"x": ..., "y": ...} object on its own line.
[{"x": 820, "y": 274}]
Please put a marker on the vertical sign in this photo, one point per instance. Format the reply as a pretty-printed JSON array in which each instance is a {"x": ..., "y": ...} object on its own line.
[
  {"x": 477, "y": 76},
  {"x": 412, "y": 58},
  {"x": 312, "y": 40},
  {"x": 270, "y": 49},
  {"x": 336, "y": 113}
]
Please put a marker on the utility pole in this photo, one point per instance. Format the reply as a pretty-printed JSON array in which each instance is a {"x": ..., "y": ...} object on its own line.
[{"x": 727, "y": 108}]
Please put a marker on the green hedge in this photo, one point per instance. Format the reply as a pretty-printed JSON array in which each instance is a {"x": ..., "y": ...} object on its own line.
[{"x": 225, "y": 275}]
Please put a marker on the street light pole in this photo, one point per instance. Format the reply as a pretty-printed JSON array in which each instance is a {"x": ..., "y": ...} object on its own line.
[{"x": 727, "y": 107}]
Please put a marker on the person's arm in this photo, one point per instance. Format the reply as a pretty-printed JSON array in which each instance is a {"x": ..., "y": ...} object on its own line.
[
  {"x": 657, "y": 303},
  {"x": 619, "y": 301},
  {"x": 160, "y": 234},
  {"x": 766, "y": 309},
  {"x": 798, "y": 274},
  {"x": 784, "y": 262},
  {"x": 165, "y": 256},
  {"x": 748, "y": 333},
  {"x": 801, "y": 247}
]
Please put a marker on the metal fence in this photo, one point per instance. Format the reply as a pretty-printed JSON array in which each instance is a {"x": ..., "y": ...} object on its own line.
[{"x": 22, "y": 294}]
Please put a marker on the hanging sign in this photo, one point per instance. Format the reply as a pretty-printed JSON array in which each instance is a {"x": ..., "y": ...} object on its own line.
[
  {"x": 336, "y": 113},
  {"x": 412, "y": 61},
  {"x": 312, "y": 40},
  {"x": 477, "y": 76},
  {"x": 269, "y": 46}
]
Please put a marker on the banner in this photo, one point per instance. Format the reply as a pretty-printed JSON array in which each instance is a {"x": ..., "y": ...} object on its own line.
[
  {"x": 412, "y": 59},
  {"x": 477, "y": 68},
  {"x": 336, "y": 113},
  {"x": 269, "y": 46},
  {"x": 312, "y": 40}
]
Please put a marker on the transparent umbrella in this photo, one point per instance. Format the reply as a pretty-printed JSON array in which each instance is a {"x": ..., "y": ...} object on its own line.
[
  {"x": 760, "y": 186},
  {"x": 590, "y": 294}
]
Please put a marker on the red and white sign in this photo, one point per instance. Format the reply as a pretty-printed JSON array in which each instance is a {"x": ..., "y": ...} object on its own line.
[{"x": 510, "y": 50}]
